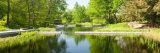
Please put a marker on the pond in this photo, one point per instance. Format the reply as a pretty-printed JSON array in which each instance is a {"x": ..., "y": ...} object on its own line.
[{"x": 67, "y": 42}]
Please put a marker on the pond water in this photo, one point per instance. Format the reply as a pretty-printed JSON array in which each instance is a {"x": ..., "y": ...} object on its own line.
[{"x": 67, "y": 42}]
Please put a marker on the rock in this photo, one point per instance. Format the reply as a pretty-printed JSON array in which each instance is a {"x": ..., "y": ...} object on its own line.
[{"x": 135, "y": 25}]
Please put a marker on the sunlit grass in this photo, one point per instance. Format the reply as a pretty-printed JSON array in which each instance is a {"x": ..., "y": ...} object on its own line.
[
  {"x": 25, "y": 37},
  {"x": 47, "y": 29},
  {"x": 151, "y": 33},
  {"x": 86, "y": 24},
  {"x": 116, "y": 27},
  {"x": 123, "y": 27}
]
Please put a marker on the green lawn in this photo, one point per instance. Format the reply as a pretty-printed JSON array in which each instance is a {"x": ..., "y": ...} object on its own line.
[
  {"x": 46, "y": 29},
  {"x": 152, "y": 33}
]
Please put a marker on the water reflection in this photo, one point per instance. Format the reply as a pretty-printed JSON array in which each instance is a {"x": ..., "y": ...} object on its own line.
[
  {"x": 49, "y": 45},
  {"x": 70, "y": 43}
]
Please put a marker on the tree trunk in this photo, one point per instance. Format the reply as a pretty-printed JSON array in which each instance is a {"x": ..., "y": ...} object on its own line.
[
  {"x": 28, "y": 14},
  {"x": 33, "y": 13},
  {"x": 48, "y": 14},
  {"x": 8, "y": 13}
]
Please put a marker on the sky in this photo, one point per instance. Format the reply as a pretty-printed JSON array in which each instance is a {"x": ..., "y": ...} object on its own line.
[{"x": 71, "y": 3}]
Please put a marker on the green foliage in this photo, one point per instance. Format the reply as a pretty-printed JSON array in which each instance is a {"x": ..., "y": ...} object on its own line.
[
  {"x": 67, "y": 17},
  {"x": 149, "y": 42},
  {"x": 2, "y": 25},
  {"x": 97, "y": 9},
  {"x": 42, "y": 13},
  {"x": 3, "y": 10},
  {"x": 104, "y": 10},
  {"x": 141, "y": 10},
  {"x": 3, "y": 28},
  {"x": 150, "y": 15},
  {"x": 35, "y": 13},
  {"x": 79, "y": 14}
]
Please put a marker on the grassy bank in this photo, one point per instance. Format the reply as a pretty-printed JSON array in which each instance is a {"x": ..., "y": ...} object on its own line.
[
  {"x": 115, "y": 27},
  {"x": 123, "y": 27},
  {"x": 86, "y": 24},
  {"x": 150, "y": 33},
  {"x": 46, "y": 29},
  {"x": 25, "y": 37}
]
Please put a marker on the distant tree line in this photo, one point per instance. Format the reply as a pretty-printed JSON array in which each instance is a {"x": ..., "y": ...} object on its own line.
[
  {"x": 98, "y": 12},
  {"x": 114, "y": 11}
]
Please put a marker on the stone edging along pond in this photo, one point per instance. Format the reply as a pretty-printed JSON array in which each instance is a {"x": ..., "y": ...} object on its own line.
[
  {"x": 95, "y": 33},
  {"x": 13, "y": 32},
  {"x": 150, "y": 35}
]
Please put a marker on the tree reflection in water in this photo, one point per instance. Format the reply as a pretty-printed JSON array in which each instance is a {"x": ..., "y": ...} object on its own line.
[
  {"x": 97, "y": 44},
  {"x": 110, "y": 44},
  {"x": 49, "y": 45},
  {"x": 103, "y": 44}
]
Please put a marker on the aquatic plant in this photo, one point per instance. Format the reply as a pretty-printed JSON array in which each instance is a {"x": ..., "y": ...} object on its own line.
[
  {"x": 152, "y": 35},
  {"x": 20, "y": 39}
]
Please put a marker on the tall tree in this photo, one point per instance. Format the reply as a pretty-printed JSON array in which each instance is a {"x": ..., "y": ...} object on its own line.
[
  {"x": 79, "y": 14},
  {"x": 152, "y": 16},
  {"x": 33, "y": 13},
  {"x": 67, "y": 17},
  {"x": 142, "y": 10},
  {"x": 8, "y": 13},
  {"x": 104, "y": 10},
  {"x": 3, "y": 9},
  {"x": 29, "y": 13}
]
